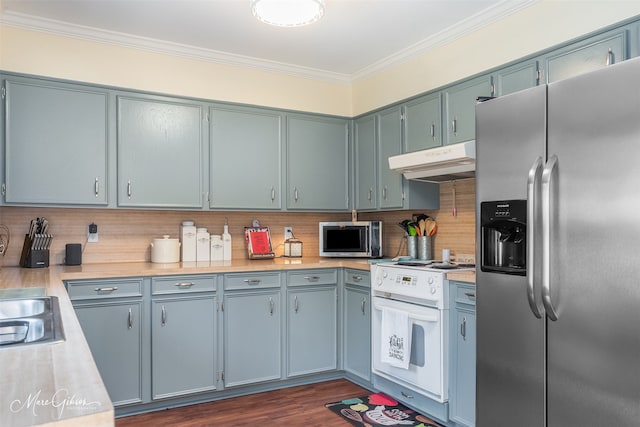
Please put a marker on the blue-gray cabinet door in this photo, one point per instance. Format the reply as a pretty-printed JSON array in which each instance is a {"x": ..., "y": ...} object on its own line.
[
  {"x": 517, "y": 77},
  {"x": 317, "y": 163},
  {"x": 252, "y": 337},
  {"x": 423, "y": 123},
  {"x": 311, "y": 330},
  {"x": 357, "y": 331},
  {"x": 114, "y": 334},
  {"x": 460, "y": 110},
  {"x": 183, "y": 346},
  {"x": 589, "y": 55},
  {"x": 365, "y": 163},
  {"x": 159, "y": 153},
  {"x": 463, "y": 398},
  {"x": 390, "y": 191},
  {"x": 56, "y": 143},
  {"x": 245, "y": 158}
]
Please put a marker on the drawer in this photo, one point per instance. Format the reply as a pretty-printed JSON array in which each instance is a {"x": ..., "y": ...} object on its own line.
[
  {"x": 465, "y": 295},
  {"x": 357, "y": 277},
  {"x": 104, "y": 289},
  {"x": 182, "y": 284},
  {"x": 251, "y": 281},
  {"x": 312, "y": 277}
]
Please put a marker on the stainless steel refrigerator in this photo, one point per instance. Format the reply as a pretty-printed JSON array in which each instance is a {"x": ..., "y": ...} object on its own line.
[{"x": 558, "y": 293}]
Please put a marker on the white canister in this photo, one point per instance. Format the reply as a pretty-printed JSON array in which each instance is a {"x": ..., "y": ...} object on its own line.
[
  {"x": 188, "y": 240},
  {"x": 217, "y": 249},
  {"x": 203, "y": 245},
  {"x": 165, "y": 250}
]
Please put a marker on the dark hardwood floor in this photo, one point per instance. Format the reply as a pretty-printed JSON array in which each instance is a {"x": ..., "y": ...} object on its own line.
[{"x": 295, "y": 406}]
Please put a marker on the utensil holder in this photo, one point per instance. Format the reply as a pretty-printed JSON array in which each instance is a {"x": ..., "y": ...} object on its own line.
[
  {"x": 33, "y": 258},
  {"x": 425, "y": 247},
  {"x": 412, "y": 247}
]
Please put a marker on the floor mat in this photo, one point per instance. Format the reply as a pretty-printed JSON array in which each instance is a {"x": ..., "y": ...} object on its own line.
[{"x": 378, "y": 410}]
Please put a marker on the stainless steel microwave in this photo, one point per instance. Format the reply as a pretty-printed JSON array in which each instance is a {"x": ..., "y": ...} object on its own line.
[{"x": 360, "y": 239}]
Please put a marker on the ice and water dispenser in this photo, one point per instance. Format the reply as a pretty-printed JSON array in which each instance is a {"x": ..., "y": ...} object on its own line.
[{"x": 504, "y": 236}]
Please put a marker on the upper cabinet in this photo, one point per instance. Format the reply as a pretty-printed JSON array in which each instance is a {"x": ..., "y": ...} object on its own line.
[
  {"x": 460, "y": 108},
  {"x": 520, "y": 76},
  {"x": 423, "y": 122},
  {"x": 588, "y": 55},
  {"x": 317, "y": 163},
  {"x": 390, "y": 191},
  {"x": 365, "y": 159},
  {"x": 160, "y": 153},
  {"x": 245, "y": 148},
  {"x": 55, "y": 143}
]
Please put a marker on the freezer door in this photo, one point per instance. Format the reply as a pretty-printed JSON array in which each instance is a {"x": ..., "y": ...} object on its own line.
[
  {"x": 510, "y": 136},
  {"x": 594, "y": 346}
]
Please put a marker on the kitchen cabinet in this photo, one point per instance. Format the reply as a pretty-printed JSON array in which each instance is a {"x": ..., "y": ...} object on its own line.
[
  {"x": 423, "y": 122},
  {"x": 317, "y": 163},
  {"x": 587, "y": 55},
  {"x": 160, "y": 152},
  {"x": 56, "y": 143},
  {"x": 365, "y": 142},
  {"x": 252, "y": 328},
  {"x": 183, "y": 335},
  {"x": 460, "y": 108},
  {"x": 245, "y": 149},
  {"x": 462, "y": 390},
  {"x": 112, "y": 316},
  {"x": 312, "y": 331},
  {"x": 390, "y": 188},
  {"x": 356, "y": 328},
  {"x": 517, "y": 77}
]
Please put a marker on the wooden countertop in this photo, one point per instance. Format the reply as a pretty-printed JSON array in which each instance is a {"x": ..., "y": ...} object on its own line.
[
  {"x": 462, "y": 276},
  {"x": 59, "y": 384}
]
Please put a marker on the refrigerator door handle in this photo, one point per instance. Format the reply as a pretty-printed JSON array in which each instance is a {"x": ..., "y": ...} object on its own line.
[
  {"x": 547, "y": 174},
  {"x": 533, "y": 185}
]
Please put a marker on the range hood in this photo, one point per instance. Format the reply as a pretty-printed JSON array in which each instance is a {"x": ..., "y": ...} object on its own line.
[{"x": 447, "y": 163}]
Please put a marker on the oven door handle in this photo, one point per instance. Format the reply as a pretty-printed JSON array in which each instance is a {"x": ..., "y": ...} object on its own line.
[{"x": 422, "y": 318}]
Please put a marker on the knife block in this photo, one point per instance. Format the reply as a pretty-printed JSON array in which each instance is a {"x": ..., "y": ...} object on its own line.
[{"x": 32, "y": 258}]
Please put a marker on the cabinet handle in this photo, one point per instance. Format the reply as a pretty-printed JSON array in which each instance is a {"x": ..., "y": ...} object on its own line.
[
  {"x": 110, "y": 289},
  {"x": 273, "y": 194},
  {"x": 183, "y": 285},
  {"x": 356, "y": 278},
  {"x": 454, "y": 126},
  {"x": 611, "y": 59},
  {"x": 96, "y": 187},
  {"x": 129, "y": 189},
  {"x": 295, "y": 304},
  {"x": 130, "y": 321},
  {"x": 470, "y": 294},
  {"x": 252, "y": 281},
  {"x": 312, "y": 278},
  {"x": 163, "y": 316},
  {"x": 463, "y": 328},
  {"x": 408, "y": 396},
  {"x": 295, "y": 194},
  {"x": 271, "y": 306},
  {"x": 362, "y": 304},
  {"x": 433, "y": 131},
  {"x": 370, "y": 193}
]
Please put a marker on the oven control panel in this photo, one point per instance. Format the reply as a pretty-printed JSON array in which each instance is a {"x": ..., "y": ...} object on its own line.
[{"x": 418, "y": 285}]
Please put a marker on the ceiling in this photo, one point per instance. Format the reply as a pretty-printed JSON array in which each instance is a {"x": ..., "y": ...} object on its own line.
[{"x": 354, "y": 38}]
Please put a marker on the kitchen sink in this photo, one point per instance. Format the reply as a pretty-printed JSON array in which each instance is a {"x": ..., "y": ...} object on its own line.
[{"x": 26, "y": 321}]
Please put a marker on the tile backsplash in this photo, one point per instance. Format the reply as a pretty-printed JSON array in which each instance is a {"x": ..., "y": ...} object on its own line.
[{"x": 125, "y": 235}]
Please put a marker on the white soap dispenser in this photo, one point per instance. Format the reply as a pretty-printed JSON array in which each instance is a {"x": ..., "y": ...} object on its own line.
[{"x": 226, "y": 242}]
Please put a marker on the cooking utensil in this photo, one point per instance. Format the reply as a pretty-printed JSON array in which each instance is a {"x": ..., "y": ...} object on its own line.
[{"x": 423, "y": 227}]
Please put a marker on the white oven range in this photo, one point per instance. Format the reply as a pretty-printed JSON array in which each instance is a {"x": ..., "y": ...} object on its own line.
[{"x": 419, "y": 290}]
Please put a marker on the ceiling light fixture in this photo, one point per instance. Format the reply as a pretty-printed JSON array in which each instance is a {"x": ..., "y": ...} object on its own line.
[{"x": 288, "y": 13}]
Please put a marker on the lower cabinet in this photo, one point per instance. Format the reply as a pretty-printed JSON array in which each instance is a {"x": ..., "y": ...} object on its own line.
[
  {"x": 462, "y": 389},
  {"x": 112, "y": 316},
  {"x": 356, "y": 326},
  {"x": 312, "y": 299},
  {"x": 252, "y": 328}
]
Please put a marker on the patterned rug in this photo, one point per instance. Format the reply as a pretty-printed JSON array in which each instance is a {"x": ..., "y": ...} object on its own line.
[{"x": 378, "y": 410}]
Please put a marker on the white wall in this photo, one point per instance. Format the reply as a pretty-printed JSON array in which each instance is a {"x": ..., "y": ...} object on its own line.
[{"x": 544, "y": 24}]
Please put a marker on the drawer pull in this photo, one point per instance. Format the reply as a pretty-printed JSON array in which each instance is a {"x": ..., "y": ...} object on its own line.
[
  {"x": 408, "y": 396},
  {"x": 470, "y": 294},
  {"x": 356, "y": 278},
  {"x": 185, "y": 284},
  {"x": 312, "y": 278},
  {"x": 110, "y": 289},
  {"x": 252, "y": 281}
]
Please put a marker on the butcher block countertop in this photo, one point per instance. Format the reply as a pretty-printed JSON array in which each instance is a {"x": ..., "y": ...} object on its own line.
[
  {"x": 58, "y": 384},
  {"x": 462, "y": 276}
]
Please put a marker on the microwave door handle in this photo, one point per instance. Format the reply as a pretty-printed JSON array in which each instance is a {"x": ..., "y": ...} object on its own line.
[{"x": 533, "y": 193}]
